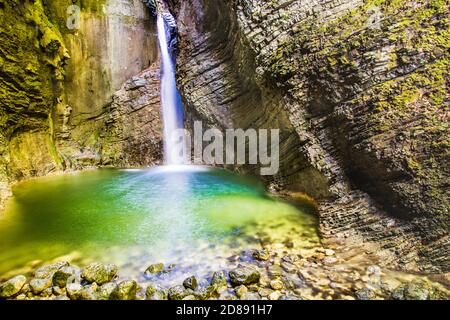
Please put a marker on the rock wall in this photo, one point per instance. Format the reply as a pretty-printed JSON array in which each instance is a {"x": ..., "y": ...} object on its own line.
[
  {"x": 63, "y": 101},
  {"x": 360, "y": 92}
]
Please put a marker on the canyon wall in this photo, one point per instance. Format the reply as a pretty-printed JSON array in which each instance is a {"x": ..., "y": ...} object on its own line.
[
  {"x": 65, "y": 99},
  {"x": 359, "y": 91}
]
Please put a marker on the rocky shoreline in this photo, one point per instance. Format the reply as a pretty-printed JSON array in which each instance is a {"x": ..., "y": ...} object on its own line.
[{"x": 260, "y": 274}]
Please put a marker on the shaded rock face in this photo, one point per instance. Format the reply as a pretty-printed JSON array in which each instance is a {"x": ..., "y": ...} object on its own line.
[
  {"x": 63, "y": 101},
  {"x": 360, "y": 94}
]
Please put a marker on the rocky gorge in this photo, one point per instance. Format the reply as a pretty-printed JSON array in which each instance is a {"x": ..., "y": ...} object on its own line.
[{"x": 359, "y": 90}]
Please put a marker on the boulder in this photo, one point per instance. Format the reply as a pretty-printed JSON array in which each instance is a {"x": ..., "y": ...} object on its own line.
[
  {"x": 47, "y": 271},
  {"x": 39, "y": 285},
  {"x": 244, "y": 275},
  {"x": 177, "y": 293},
  {"x": 61, "y": 276},
  {"x": 365, "y": 294},
  {"x": 262, "y": 255},
  {"x": 74, "y": 291},
  {"x": 99, "y": 273},
  {"x": 190, "y": 283},
  {"x": 12, "y": 287},
  {"x": 125, "y": 290},
  {"x": 104, "y": 292},
  {"x": 219, "y": 279}
]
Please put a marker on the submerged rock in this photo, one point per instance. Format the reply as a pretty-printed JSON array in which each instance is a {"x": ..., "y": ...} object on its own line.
[
  {"x": 411, "y": 291},
  {"x": 275, "y": 271},
  {"x": 244, "y": 275},
  {"x": 276, "y": 284},
  {"x": 99, "y": 273},
  {"x": 155, "y": 268},
  {"x": 190, "y": 283},
  {"x": 262, "y": 255},
  {"x": 365, "y": 294},
  {"x": 290, "y": 258},
  {"x": 240, "y": 290},
  {"x": 126, "y": 290},
  {"x": 251, "y": 296},
  {"x": 12, "y": 287}
]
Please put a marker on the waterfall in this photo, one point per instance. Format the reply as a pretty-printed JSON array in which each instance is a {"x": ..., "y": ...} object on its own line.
[{"x": 172, "y": 109}]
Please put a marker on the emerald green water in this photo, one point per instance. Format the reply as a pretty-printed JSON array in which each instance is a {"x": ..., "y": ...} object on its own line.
[{"x": 122, "y": 215}]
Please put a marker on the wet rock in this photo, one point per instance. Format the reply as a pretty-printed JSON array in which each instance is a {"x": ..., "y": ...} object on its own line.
[
  {"x": 154, "y": 269},
  {"x": 47, "y": 271},
  {"x": 275, "y": 271},
  {"x": 105, "y": 291},
  {"x": 125, "y": 290},
  {"x": 289, "y": 267},
  {"x": 39, "y": 285},
  {"x": 219, "y": 279},
  {"x": 99, "y": 273},
  {"x": 276, "y": 284},
  {"x": 374, "y": 270},
  {"x": 161, "y": 295},
  {"x": 365, "y": 294},
  {"x": 411, "y": 291},
  {"x": 329, "y": 260},
  {"x": 89, "y": 292},
  {"x": 74, "y": 291},
  {"x": 240, "y": 290},
  {"x": 12, "y": 287},
  {"x": 253, "y": 287},
  {"x": 251, "y": 296},
  {"x": 205, "y": 293},
  {"x": 47, "y": 292},
  {"x": 61, "y": 276},
  {"x": 154, "y": 293},
  {"x": 274, "y": 295},
  {"x": 262, "y": 255},
  {"x": 263, "y": 292},
  {"x": 177, "y": 293},
  {"x": 289, "y": 244},
  {"x": 57, "y": 291},
  {"x": 290, "y": 258},
  {"x": 190, "y": 283},
  {"x": 244, "y": 275},
  {"x": 150, "y": 291}
]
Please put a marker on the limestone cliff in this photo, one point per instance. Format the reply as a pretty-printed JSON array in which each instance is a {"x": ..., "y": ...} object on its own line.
[
  {"x": 63, "y": 101},
  {"x": 359, "y": 89}
]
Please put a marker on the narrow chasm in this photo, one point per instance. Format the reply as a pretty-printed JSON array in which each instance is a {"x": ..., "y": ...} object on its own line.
[{"x": 134, "y": 162}]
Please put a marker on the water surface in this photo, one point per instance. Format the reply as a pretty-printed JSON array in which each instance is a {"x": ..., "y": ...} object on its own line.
[{"x": 189, "y": 217}]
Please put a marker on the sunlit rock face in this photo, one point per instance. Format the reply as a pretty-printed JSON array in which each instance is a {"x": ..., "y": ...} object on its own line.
[
  {"x": 64, "y": 103},
  {"x": 361, "y": 91}
]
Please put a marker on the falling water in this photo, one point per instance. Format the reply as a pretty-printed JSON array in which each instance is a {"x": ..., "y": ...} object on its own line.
[{"x": 172, "y": 110}]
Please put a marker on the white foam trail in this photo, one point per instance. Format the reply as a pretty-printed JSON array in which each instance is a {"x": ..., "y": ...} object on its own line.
[{"x": 172, "y": 112}]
